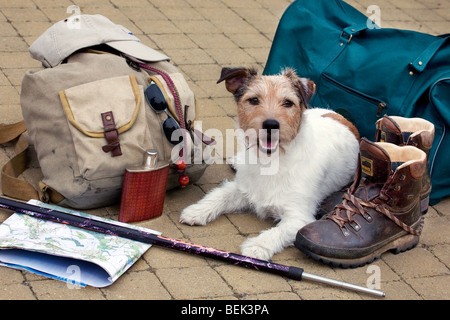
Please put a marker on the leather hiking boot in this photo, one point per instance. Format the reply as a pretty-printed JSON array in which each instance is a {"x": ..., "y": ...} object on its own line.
[
  {"x": 415, "y": 132},
  {"x": 380, "y": 211}
]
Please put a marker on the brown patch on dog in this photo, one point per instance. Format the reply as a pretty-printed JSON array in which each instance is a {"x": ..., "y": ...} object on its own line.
[{"x": 345, "y": 122}]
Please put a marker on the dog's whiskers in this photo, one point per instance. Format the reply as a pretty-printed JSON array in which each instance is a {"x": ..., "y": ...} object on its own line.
[{"x": 249, "y": 145}]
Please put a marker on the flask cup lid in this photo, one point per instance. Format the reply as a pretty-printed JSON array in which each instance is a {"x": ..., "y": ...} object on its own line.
[{"x": 150, "y": 162}]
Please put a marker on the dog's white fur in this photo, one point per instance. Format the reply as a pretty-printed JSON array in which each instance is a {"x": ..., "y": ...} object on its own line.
[{"x": 320, "y": 159}]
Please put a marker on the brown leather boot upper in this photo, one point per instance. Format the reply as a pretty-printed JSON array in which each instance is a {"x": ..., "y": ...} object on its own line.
[
  {"x": 415, "y": 132},
  {"x": 379, "y": 210}
]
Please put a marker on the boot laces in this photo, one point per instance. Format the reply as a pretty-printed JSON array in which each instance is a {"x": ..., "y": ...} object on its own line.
[{"x": 344, "y": 213}]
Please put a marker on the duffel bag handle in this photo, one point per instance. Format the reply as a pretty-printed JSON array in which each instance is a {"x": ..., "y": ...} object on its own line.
[
  {"x": 424, "y": 58},
  {"x": 418, "y": 64}
]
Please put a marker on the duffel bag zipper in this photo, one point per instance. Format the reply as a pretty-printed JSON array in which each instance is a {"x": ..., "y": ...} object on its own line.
[
  {"x": 433, "y": 158},
  {"x": 381, "y": 105}
]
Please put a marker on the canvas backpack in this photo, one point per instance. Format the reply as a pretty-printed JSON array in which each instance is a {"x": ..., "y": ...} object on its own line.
[{"x": 69, "y": 111}]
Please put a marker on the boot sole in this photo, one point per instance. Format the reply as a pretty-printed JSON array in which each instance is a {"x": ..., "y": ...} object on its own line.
[{"x": 401, "y": 244}]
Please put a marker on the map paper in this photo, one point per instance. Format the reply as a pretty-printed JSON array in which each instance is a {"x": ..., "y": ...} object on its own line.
[{"x": 65, "y": 252}]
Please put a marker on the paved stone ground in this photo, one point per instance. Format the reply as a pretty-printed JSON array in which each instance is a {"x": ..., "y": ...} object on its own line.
[{"x": 201, "y": 37}]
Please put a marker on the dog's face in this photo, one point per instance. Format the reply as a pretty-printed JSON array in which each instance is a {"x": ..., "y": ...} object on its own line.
[{"x": 269, "y": 106}]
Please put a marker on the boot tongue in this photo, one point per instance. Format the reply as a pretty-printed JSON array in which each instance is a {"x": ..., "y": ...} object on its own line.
[
  {"x": 375, "y": 169},
  {"x": 375, "y": 162},
  {"x": 391, "y": 132}
]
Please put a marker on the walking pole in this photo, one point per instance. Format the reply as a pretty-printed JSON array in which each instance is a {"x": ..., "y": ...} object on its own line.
[{"x": 294, "y": 273}]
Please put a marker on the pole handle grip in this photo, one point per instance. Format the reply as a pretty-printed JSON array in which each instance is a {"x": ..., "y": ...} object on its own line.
[{"x": 295, "y": 273}]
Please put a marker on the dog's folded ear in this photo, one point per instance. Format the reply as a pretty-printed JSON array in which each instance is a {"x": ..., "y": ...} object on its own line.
[
  {"x": 309, "y": 88},
  {"x": 306, "y": 88},
  {"x": 235, "y": 77}
]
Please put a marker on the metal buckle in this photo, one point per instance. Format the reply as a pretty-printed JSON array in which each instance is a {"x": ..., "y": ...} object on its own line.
[{"x": 349, "y": 39}]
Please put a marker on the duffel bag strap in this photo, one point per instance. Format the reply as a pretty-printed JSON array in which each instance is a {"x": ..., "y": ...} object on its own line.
[
  {"x": 422, "y": 60},
  {"x": 347, "y": 33}
]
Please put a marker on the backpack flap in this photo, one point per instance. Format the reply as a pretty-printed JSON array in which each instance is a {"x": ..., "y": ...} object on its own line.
[{"x": 108, "y": 125}]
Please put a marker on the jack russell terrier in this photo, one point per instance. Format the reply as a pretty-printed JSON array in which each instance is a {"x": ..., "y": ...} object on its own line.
[{"x": 315, "y": 151}]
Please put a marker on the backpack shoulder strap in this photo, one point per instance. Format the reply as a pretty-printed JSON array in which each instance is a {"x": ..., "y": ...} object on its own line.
[
  {"x": 9, "y": 132},
  {"x": 11, "y": 185}
]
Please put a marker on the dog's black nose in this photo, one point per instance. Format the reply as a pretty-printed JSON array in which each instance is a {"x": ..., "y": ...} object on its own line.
[{"x": 271, "y": 124}]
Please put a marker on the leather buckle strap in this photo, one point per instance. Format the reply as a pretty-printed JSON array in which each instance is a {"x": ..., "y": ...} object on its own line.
[
  {"x": 422, "y": 60},
  {"x": 111, "y": 135},
  {"x": 352, "y": 30}
]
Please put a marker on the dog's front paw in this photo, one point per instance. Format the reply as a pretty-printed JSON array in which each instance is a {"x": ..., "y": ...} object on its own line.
[
  {"x": 252, "y": 248},
  {"x": 194, "y": 215}
]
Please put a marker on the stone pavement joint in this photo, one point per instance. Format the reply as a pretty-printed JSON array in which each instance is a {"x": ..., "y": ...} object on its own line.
[{"x": 201, "y": 37}]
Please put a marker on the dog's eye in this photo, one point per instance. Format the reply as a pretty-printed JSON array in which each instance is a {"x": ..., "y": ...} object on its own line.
[
  {"x": 253, "y": 101},
  {"x": 288, "y": 103}
]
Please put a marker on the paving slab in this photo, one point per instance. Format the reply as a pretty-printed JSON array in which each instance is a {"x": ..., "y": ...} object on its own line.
[{"x": 202, "y": 37}]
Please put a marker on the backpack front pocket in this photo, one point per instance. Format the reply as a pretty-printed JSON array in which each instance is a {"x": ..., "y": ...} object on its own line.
[{"x": 108, "y": 125}]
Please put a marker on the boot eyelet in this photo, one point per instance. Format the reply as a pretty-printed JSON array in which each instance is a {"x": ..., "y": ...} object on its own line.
[
  {"x": 402, "y": 177},
  {"x": 345, "y": 231},
  {"x": 355, "y": 226},
  {"x": 397, "y": 188},
  {"x": 368, "y": 217}
]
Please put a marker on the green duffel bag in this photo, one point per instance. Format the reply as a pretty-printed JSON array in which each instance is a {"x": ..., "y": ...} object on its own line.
[{"x": 364, "y": 72}]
